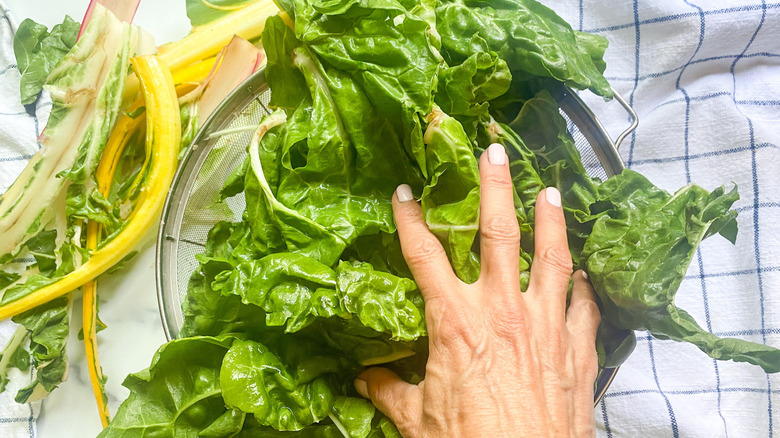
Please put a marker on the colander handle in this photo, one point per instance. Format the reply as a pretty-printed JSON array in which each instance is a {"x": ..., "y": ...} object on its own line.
[{"x": 631, "y": 113}]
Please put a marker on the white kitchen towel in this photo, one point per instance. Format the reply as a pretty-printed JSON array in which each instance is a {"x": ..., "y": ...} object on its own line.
[
  {"x": 704, "y": 77},
  {"x": 19, "y": 130}
]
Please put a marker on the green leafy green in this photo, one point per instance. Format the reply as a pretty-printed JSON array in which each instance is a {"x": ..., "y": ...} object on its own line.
[
  {"x": 203, "y": 12},
  {"x": 382, "y": 301},
  {"x": 48, "y": 326},
  {"x": 37, "y": 51},
  {"x": 254, "y": 380},
  {"x": 529, "y": 36},
  {"x": 662, "y": 230},
  {"x": 178, "y": 395},
  {"x": 450, "y": 199}
]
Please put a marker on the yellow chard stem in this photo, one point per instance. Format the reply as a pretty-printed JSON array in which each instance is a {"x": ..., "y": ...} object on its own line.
[
  {"x": 162, "y": 137},
  {"x": 206, "y": 41},
  {"x": 89, "y": 321},
  {"x": 104, "y": 175}
]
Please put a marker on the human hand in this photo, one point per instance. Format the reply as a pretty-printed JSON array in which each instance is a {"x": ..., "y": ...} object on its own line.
[{"x": 501, "y": 362}]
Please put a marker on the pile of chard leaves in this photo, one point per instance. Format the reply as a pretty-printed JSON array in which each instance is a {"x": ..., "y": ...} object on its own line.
[
  {"x": 290, "y": 303},
  {"x": 42, "y": 224}
]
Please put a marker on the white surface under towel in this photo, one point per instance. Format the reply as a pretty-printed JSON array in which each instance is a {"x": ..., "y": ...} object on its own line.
[{"x": 704, "y": 77}]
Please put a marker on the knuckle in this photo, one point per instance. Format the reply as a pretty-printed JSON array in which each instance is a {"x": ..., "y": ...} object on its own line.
[
  {"x": 557, "y": 258},
  {"x": 501, "y": 229},
  {"x": 458, "y": 330},
  {"x": 423, "y": 249},
  {"x": 551, "y": 215},
  {"x": 407, "y": 213},
  {"x": 589, "y": 310},
  {"x": 496, "y": 180}
]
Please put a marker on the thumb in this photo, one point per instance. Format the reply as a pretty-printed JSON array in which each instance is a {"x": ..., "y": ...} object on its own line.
[{"x": 400, "y": 401}]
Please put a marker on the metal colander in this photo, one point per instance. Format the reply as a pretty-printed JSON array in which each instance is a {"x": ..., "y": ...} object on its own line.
[{"x": 192, "y": 206}]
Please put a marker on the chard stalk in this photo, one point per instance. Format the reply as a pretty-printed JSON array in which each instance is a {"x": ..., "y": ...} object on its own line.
[
  {"x": 338, "y": 425},
  {"x": 163, "y": 138},
  {"x": 71, "y": 140}
]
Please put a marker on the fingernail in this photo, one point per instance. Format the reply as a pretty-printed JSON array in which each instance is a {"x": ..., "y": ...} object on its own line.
[
  {"x": 496, "y": 154},
  {"x": 361, "y": 387},
  {"x": 404, "y": 193},
  {"x": 553, "y": 196},
  {"x": 584, "y": 275}
]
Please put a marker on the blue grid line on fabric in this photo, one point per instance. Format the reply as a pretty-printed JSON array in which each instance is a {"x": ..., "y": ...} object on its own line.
[
  {"x": 604, "y": 416},
  {"x": 14, "y": 420},
  {"x": 690, "y": 391},
  {"x": 756, "y": 233},
  {"x": 31, "y": 419},
  {"x": 16, "y": 158},
  {"x": 637, "y": 40},
  {"x": 26, "y": 260},
  {"x": 706, "y": 154},
  {"x": 8, "y": 68},
  {"x": 696, "y": 98},
  {"x": 721, "y": 94},
  {"x": 746, "y": 8},
  {"x": 692, "y": 62},
  {"x": 775, "y": 331},
  {"x": 733, "y": 273},
  {"x": 672, "y": 417},
  {"x": 760, "y": 205},
  {"x": 759, "y": 102},
  {"x": 753, "y": 332},
  {"x": 631, "y": 146}
]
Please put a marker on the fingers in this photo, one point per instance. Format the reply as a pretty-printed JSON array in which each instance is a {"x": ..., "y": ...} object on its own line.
[
  {"x": 552, "y": 265},
  {"x": 400, "y": 401},
  {"x": 582, "y": 321},
  {"x": 499, "y": 233},
  {"x": 583, "y": 316},
  {"x": 422, "y": 250}
]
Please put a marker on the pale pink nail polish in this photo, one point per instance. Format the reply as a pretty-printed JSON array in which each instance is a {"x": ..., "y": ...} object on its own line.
[
  {"x": 553, "y": 196},
  {"x": 404, "y": 193},
  {"x": 496, "y": 154}
]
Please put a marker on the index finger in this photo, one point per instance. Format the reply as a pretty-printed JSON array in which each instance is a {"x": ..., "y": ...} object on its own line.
[{"x": 422, "y": 250}]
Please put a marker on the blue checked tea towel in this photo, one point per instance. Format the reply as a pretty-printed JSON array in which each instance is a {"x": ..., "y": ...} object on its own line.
[
  {"x": 704, "y": 77},
  {"x": 18, "y": 142}
]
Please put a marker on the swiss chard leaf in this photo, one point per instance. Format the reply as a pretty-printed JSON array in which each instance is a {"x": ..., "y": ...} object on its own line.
[
  {"x": 400, "y": 82},
  {"x": 37, "y": 51},
  {"x": 285, "y": 396},
  {"x": 291, "y": 288},
  {"x": 450, "y": 199},
  {"x": 178, "y": 395},
  {"x": 529, "y": 36},
  {"x": 643, "y": 223},
  {"x": 203, "y": 12},
  {"x": 382, "y": 301},
  {"x": 48, "y": 326}
]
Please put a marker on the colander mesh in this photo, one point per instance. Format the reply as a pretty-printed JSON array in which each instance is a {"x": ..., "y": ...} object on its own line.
[{"x": 203, "y": 208}]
